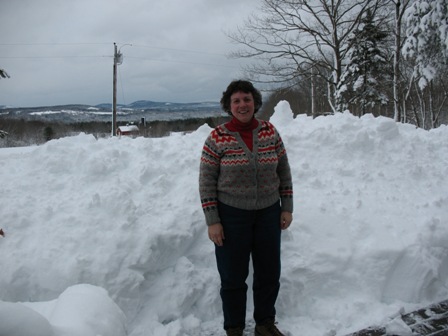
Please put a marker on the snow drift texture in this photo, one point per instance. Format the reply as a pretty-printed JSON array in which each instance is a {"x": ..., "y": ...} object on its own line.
[{"x": 107, "y": 237}]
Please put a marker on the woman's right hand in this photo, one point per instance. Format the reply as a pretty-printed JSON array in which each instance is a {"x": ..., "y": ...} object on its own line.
[{"x": 216, "y": 233}]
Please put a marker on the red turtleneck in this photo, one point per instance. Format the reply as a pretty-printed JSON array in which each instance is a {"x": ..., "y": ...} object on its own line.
[{"x": 244, "y": 129}]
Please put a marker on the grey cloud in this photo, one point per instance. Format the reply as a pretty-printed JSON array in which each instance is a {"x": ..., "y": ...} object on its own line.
[{"x": 61, "y": 51}]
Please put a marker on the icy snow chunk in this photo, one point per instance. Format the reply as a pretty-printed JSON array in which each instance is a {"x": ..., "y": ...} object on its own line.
[
  {"x": 13, "y": 317},
  {"x": 283, "y": 115},
  {"x": 398, "y": 327},
  {"x": 388, "y": 129},
  {"x": 86, "y": 310}
]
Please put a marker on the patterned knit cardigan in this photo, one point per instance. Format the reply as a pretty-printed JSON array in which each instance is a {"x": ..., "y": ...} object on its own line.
[{"x": 232, "y": 174}]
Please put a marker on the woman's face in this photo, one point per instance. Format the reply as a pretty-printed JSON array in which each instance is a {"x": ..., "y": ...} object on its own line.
[{"x": 242, "y": 106}]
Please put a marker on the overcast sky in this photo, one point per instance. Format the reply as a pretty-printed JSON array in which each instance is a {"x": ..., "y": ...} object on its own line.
[{"x": 61, "y": 51}]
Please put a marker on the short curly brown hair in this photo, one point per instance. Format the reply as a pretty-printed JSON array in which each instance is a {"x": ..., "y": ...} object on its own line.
[{"x": 240, "y": 86}]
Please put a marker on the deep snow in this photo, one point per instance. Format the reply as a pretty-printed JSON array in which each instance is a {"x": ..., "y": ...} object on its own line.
[{"x": 107, "y": 237}]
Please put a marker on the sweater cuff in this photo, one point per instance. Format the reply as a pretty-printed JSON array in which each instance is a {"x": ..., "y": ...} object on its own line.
[
  {"x": 287, "y": 204},
  {"x": 212, "y": 217}
]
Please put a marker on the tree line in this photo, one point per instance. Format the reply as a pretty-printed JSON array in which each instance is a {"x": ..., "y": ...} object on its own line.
[
  {"x": 386, "y": 57},
  {"x": 21, "y": 132}
]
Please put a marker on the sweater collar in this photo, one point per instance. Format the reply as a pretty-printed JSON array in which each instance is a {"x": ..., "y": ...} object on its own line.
[{"x": 235, "y": 125}]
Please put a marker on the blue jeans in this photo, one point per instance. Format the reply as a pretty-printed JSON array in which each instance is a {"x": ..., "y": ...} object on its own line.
[{"x": 247, "y": 232}]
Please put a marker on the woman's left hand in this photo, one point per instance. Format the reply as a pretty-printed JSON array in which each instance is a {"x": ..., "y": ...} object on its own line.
[{"x": 285, "y": 220}]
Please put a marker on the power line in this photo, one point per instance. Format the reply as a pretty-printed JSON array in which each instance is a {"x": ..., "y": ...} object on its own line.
[
  {"x": 128, "y": 57},
  {"x": 110, "y": 56},
  {"x": 26, "y": 57},
  {"x": 55, "y": 43},
  {"x": 104, "y": 43},
  {"x": 182, "y": 50},
  {"x": 183, "y": 62}
]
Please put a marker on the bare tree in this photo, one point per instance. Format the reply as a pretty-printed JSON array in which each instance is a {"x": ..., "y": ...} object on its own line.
[
  {"x": 399, "y": 8},
  {"x": 292, "y": 39}
]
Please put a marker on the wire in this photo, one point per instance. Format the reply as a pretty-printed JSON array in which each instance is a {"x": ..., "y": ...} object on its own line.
[
  {"x": 34, "y": 44},
  {"x": 104, "y": 43},
  {"x": 182, "y": 50},
  {"x": 184, "y": 62},
  {"x": 26, "y": 57},
  {"x": 129, "y": 57}
]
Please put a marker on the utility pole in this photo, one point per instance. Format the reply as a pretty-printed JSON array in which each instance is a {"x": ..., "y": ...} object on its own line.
[
  {"x": 114, "y": 99},
  {"x": 118, "y": 59}
]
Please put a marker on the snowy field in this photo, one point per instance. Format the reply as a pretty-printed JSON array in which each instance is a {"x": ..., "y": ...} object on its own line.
[{"x": 107, "y": 237}]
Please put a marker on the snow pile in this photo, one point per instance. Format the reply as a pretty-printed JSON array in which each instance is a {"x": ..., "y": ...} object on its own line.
[
  {"x": 85, "y": 216},
  {"x": 79, "y": 310}
]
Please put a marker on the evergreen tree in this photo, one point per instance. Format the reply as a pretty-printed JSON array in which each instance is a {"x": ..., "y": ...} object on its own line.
[
  {"x": 427, "y": 38},
  {"x": 366, "y": 66},
  {"x": 48, "y": 133}
]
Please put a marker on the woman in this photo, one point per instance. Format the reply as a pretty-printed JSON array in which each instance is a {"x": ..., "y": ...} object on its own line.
[{"x": 246, "y": 193}]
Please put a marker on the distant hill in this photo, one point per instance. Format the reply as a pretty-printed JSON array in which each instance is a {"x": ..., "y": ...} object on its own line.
[
  {"x": 135, "y": 111},
  {"x": 163, "y": 106}
]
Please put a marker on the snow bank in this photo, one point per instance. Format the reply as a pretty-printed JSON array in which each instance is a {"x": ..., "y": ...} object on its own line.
[{"x": 369, "y": 236}]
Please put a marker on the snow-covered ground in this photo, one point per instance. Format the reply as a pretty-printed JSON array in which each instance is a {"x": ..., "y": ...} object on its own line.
[{"x": 107, "y": 237}]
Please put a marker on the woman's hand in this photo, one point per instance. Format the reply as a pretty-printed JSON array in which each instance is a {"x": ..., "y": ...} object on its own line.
[
  {"x": 216, "y": 233},
  {"x": 285, "y": 220}
]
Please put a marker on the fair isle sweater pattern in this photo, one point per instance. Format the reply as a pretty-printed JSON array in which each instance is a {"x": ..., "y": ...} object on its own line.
[{"x": 250, "y": 180}]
